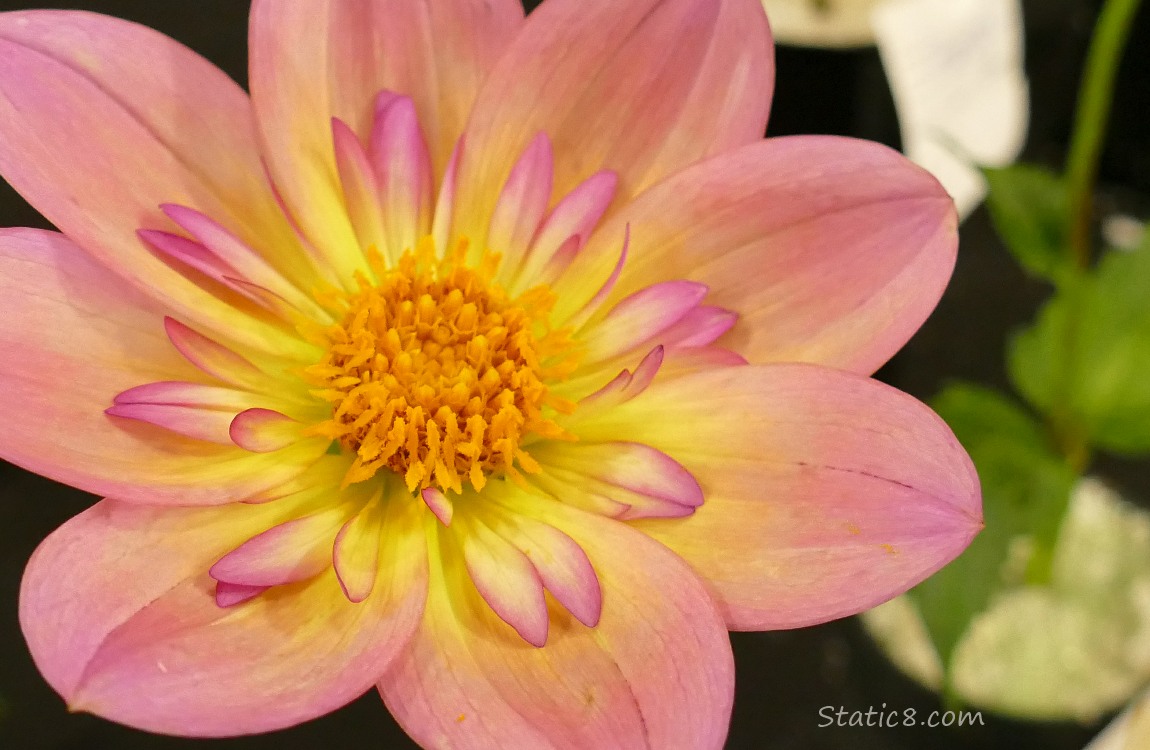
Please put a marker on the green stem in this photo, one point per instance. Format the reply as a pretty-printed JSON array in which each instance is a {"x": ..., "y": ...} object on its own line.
[{"x": 1094, "y": 99}]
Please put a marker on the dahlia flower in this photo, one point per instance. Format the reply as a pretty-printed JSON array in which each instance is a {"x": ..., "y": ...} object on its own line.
[{"x": 497, "y": 363}]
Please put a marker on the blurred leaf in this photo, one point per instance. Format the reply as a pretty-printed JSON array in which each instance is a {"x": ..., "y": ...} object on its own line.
[
  {"x": 1028, "y": 206},
  {"x": 1025, "y": 488},
  {"x": 1086, "y": 362}
]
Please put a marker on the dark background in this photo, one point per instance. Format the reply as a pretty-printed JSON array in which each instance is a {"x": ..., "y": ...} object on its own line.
[{"x": 783, "y": 678}]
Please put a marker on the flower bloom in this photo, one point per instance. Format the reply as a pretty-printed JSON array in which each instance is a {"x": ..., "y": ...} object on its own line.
[{"x": 426, "y": 367}]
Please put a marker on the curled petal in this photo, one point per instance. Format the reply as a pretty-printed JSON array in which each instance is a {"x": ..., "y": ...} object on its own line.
[
  {"x": 236, "y": 255},
  {"x": 573, "y": 219},
  {"x": 506, "y": 580},
  {"x": 231, "y": 594},
  {"x": 523, "y": 201},
  {"x": 356, "y": 552},
  {"x": 561, "y": 563},
  {"x": 360, "y": 187},
  {"x": 264, "y": 430},
  {"x": 577, "y": 314},
  {"x": 439, "y": 504},
  {"x": 630, "y": 466},
  {"x": 403, "y": 171},
  {"x": 209, "y": 425},
  {"x": 699, "y": 327},
  {"x": 626, "y": 385},
  {"x": 211, "y": 356},
  {"x": 292, "y": 551},
  {"x": 445, "y": 200},
  {"x": 641, "y": 317},
  {"x": 175, "y": 392},
  {"x": 826, "y": 492}
]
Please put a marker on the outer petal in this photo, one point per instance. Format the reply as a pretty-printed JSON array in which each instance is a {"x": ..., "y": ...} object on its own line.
[
  {"x": 826, "y": 492},
  {"x": 655, "y": 673},
  {"x": 121, "y": 619},
  {"x": 644, "y": 88},
  {"x": 312, "y": 60},
  {"x": 84, "y": 96},
  {"x": 830, "y": 250},
  {"x": 73, "y": 337}
]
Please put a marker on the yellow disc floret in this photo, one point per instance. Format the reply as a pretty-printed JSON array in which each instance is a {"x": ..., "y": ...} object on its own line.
[{"x": 434, "y": 373}]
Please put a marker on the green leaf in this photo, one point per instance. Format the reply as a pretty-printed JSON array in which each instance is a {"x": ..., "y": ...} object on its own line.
[
  {"x": 1028, "y": 206},
  {"x": 1025, "y": 488},
  {"x": 1086, "y": 362}
]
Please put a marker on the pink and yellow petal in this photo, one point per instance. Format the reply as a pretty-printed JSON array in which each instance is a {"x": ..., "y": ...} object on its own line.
[
  {"x": 83, "y": 96},
  {"x": 403, "y": 169},
  {"x": 826, "y": 493},
  {"x": 122, "y": 620},
  {"x": 312, "y": 60},
  {"x": 830, "y": 250},
  {"x": 73, "y": 337},
  {"x": 655, "y": 672},
  {"x": 612, "y": 84}
]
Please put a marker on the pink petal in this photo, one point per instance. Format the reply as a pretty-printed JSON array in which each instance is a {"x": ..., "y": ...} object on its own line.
[
  {"x": 312, "y": 60},
  {"x": 211, "y": 356},
  {"x": 355, "y": 554},
  {"x": 562, "y": 565},
  {"x": 655, "y": 672},
  {"x": 72, "y": 337},
  {"x": 122, "y": 620},
  {"x": 231, "y": 594},
  {"x": 188, "y": 252},
  {"x": 575, "y": 311},
  {"x": 579, "y": 490},
  {"x": 699, "y": 327},
  {"x": 682, "y": 361},
  {"x": 571, "y": 489},
  {"x": 167, "y": 124},
  {"x": 830, "y": 250},
  {"x": 645, "y": 373},
  {"x": 642, "y": 88},
  {"x": 439, "y": 504},
  {"x": 194, "y": 422},
  {"x": 360, "y": 187},
  {"x": 402, "y": 164},
  {"x": 264, "y": 430},
  {"x": 523, "y": 201},
  {"x": 826, "y": 492},
  {"x": 573, "y": 219},
  {"x": 444, "y": 202},
  {"x": 641, "y": 317},
  {"x": 292, "y": 551},
  {"x": 632, "y": 466},
  {"x": 626, "y": 385},
  {"x": 506, "y": 580},
  {"x": 236, "y": 254},
  {"x": 180, "y": 393},
  {"x": 192, "y": 255}
]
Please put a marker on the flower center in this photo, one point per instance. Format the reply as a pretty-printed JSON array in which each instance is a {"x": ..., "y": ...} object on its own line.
[{"x": 436, "y": 374}]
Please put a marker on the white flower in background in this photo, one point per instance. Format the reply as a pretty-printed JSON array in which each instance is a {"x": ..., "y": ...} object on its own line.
[
  {"x": 1076, "y": 648},
  {"x": 955, "y": 70},
  {"x": 822, "y": 23}
]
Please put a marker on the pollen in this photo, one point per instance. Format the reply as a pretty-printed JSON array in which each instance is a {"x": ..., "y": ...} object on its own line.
[{"x": 433, "y": 372}]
